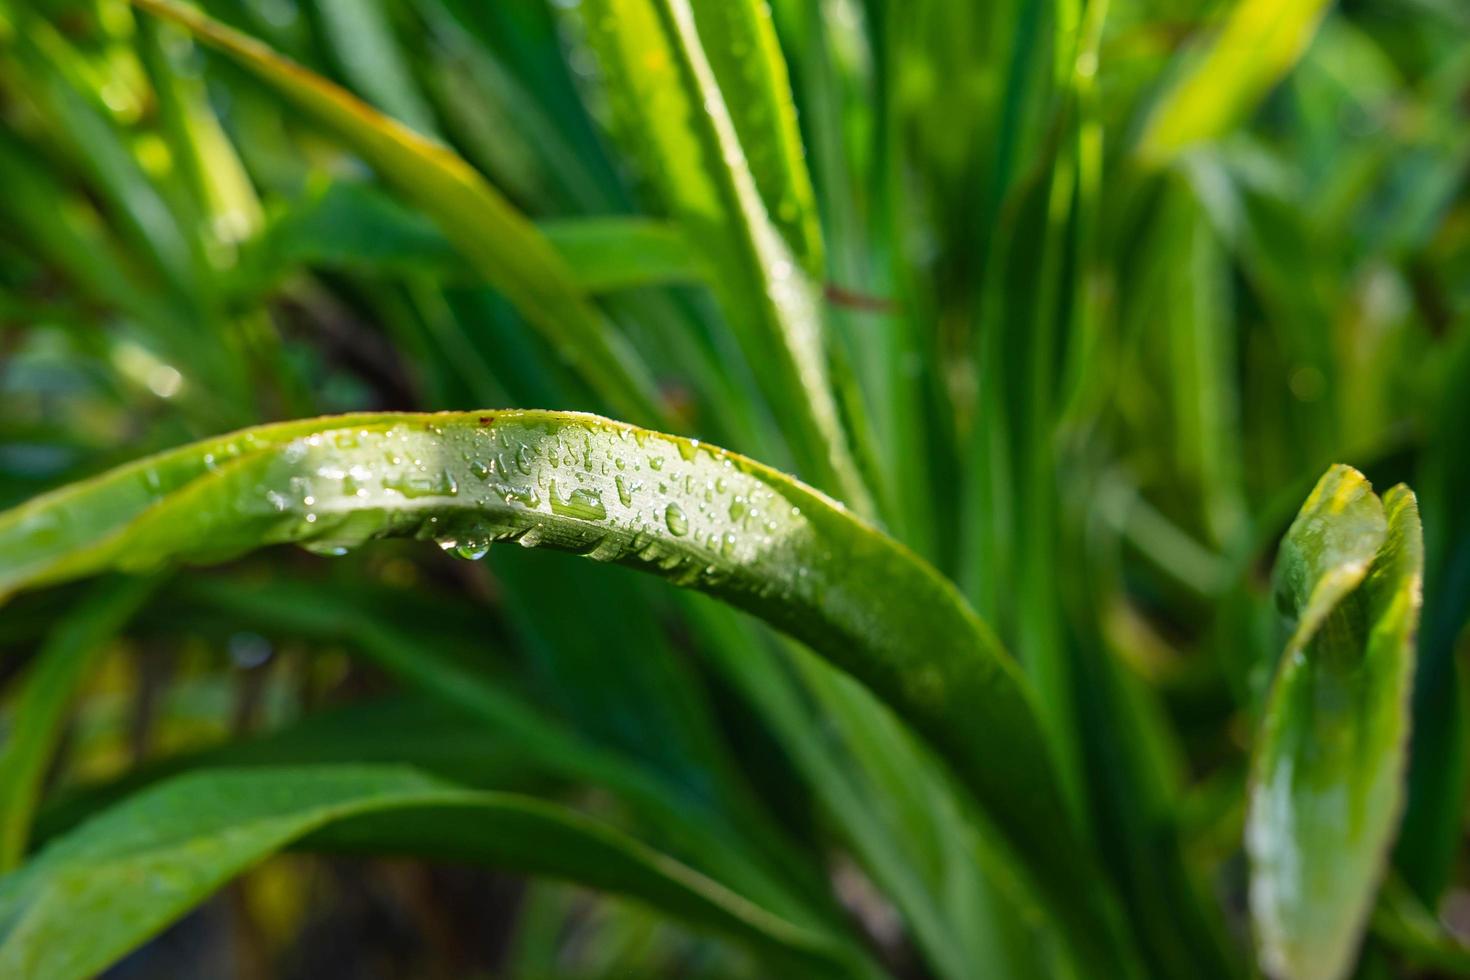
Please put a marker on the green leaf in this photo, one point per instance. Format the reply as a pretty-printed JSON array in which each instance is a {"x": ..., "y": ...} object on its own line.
[
  {"x": 684, "y": 115},
  {"x": 117, "y": 880},
  {"x": 1257, "y": 45},
  {"x": 349, "y": 225},
  {"x": 614, "y": 253},
  {"x": 699, "y": 516},
  {"x": 1402, "y": 921},
  {"x": 1329, "y": 766},
  {"x": 744, "y": 53},
  {"x": 422, "y": 659},
  {"x": 361, "y": 40},
  {"x": 47, "y": 690},
  {"x": 499, "y": 241}
]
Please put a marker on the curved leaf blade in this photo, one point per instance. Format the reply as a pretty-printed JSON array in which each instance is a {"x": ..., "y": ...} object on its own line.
[
  {"x": 499, "y": 241},
  {"x": 1257, "y": 45},
  {"x": 354, "y": 226},
  {"x": 739, "y": 37},
  {"x": 1328, "y": 771},
  {"x": 47, "y": 690},
  {"x": 667, "y": 85},
  {"x": 108, "y": 886},
  {"x": 699, "y": 516},
  {"x": 701, "y": 834}
]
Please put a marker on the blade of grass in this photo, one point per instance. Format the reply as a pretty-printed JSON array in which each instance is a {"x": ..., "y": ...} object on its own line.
[
  {"x": 46, "y": 692},
  {"x": 1329, "y": 766},
  {"x": 1440, "y": 763},
  {"x": 656, "y": 63},
  {"x": 739, "y": 38},
  {"x": 701, "y": 517},
  {"x": 1259, "y": 43},
  {"x": 690, "y": 825},
  {"x": 362, "y": 42},
  {"x": 78, "y": 906},
  {"x": 499, "y": 241},
  {"x": 348, "y": 225}
]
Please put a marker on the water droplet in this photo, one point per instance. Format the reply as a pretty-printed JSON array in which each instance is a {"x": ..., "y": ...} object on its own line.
[
  {"x": 249, "y": 650},
  {"x": 677, "y": 523},
  {"x": 412, "y": 485},
  {"x": 480, "y": 469},
  {"x": 625, "y": 494},
  {"x": 470, "y": 549},
  {"x": 525, "y": 496},
  {"x": 606, "y": 549},
  {"x": 581, "y": 503},
  {"x": 524, "y": 458},
  {"x": 687, "y": 449},
  {"x": 655, "y": 462},
  {"x": 737, "y": 509}
]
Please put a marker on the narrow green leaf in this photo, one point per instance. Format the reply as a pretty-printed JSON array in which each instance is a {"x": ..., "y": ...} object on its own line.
[
  {"x": 108, "y": 886},
  {"x": 699, "y": 516},
  {"x": 1257, "y": 45},
  {"x": 498, "y": 241},
  {"x": 744, "y": 53},
  {"x": 361, "y": 40},
  {"x": 666, "y": 87},
  {"x": 614, "y": 253},
  {"x": 1403, "y": 922},
  {"x": 350, "y": 225},
  {"x": 420, "y": 659},
  {"x": 1329, "y": 766},
  {"x": 47, "y": 690}
]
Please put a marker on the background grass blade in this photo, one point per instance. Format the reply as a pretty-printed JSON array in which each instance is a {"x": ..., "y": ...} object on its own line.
[
  {"x": 47, "y": 690},
  {"x": 353, "y": 226},
  {"x": 1329, "y": 767},
  {"x": 499, "y": 241},
  {"x": 1259, "y": 41},
  {"x": 745, "y": 56},
  {"x": 666, "y": 85},
  {"x": 701, "y": 517},
  {"x": 79, "y": 906},
  {"x": 696, "y": 829}
]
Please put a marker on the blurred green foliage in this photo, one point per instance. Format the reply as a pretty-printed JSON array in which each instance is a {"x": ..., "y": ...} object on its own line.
[{"x": 1076, "y": 299}]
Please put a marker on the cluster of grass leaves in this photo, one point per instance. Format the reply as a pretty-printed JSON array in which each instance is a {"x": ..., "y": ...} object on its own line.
[{"x": 1036, "y": 643}]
